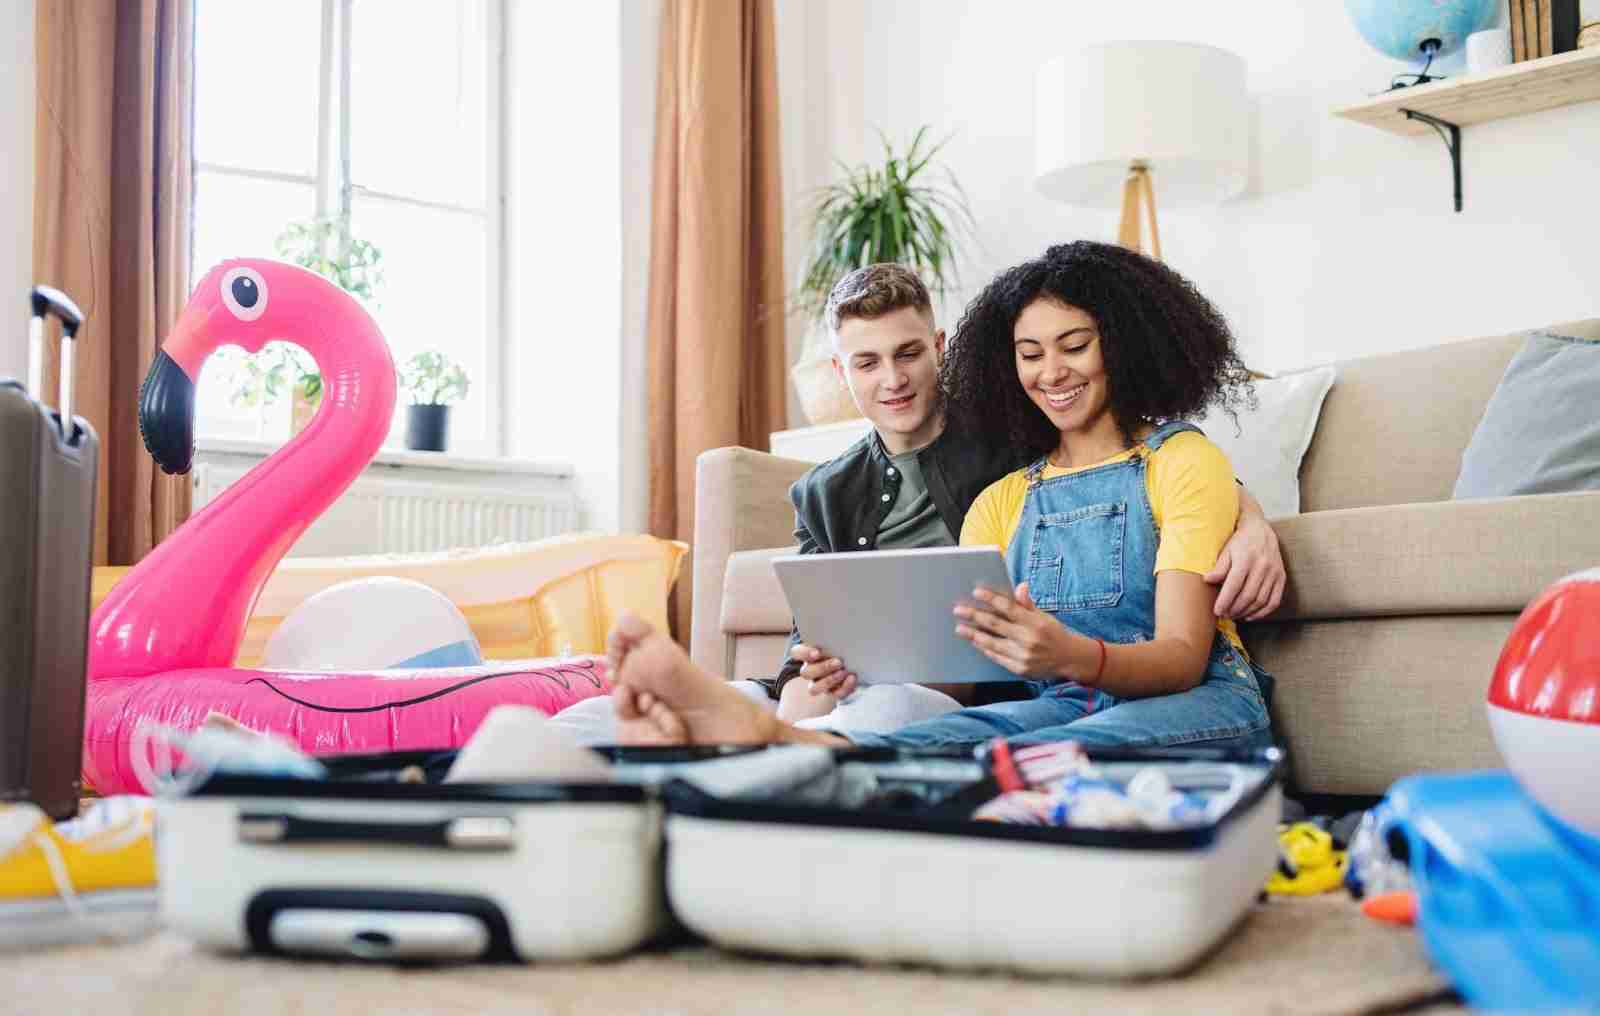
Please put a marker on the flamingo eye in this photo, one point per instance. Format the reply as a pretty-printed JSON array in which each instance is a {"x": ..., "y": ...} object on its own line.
[{"x": 245, "y": 293}]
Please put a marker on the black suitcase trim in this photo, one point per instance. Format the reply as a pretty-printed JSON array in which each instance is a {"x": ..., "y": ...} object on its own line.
[{"x": 267, "y": 904}]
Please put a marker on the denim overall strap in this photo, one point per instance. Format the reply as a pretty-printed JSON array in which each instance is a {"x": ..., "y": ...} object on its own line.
[{"x": 1086, "y": 545}]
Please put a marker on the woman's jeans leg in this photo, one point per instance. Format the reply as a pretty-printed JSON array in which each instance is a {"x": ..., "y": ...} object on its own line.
[{"x": 1225, "y": 711}]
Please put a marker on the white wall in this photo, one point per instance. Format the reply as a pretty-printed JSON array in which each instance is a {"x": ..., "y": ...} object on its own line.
[
  {"x": 16, "y": 180},
  {"x": 1345, "y": 244}
]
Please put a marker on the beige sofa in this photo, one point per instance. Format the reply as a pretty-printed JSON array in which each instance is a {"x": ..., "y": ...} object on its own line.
[{"x": 1398, "y": 598}]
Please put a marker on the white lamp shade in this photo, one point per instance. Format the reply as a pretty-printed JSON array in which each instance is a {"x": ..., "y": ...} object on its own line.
[{"x": 1180, "y": 108}]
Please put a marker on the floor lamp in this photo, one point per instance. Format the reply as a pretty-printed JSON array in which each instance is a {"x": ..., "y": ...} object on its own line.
[{"x": 1115, "y": 118}]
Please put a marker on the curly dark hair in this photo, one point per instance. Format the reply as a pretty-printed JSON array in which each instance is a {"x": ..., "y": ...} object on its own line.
[{"x": 1168, "y": 352}]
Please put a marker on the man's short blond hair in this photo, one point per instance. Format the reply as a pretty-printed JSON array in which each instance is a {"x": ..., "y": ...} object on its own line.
[{"x": 873, "y": 291}]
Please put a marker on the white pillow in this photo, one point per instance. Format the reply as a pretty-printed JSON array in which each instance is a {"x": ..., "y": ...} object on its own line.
[{"x": 1269, "y": 442}]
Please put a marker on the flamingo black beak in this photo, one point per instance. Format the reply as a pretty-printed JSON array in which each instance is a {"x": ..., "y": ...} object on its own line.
[{"x": 166, "y": 414}]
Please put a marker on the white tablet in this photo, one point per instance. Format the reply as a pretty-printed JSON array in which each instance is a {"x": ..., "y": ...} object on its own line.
[{"x": 888, "y": 613}]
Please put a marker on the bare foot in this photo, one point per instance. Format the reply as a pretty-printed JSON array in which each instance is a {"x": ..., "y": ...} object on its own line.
[
  {"x": 667, "y": 690},
  {"x": 644, "y": 719}
]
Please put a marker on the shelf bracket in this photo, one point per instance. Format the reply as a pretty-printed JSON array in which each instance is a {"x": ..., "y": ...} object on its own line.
[{"x": 1450, "y": 134}]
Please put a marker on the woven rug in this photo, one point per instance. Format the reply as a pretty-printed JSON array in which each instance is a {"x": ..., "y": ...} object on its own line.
[{"x": 1289, "y": 956}]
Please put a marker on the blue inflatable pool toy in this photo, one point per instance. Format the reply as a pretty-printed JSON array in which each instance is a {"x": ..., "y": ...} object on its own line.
[{"x": 1508, "y": 898}]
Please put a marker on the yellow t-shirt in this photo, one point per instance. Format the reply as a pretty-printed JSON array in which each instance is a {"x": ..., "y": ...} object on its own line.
[{"x": 1192, "y": 494}]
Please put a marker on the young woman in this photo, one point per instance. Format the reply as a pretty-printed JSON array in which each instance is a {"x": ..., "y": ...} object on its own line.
[{"x": 1100, "y": 353}]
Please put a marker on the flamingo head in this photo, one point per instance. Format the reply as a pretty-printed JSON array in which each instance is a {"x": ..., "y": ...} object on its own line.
[{"x": 245, "y": 302}]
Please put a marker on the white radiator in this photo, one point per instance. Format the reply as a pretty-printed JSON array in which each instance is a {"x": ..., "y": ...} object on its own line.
[{"x": 383, "y": 514}]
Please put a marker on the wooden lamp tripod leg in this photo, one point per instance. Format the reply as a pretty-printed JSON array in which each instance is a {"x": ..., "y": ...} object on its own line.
[{"x": 1138, "y": 200}]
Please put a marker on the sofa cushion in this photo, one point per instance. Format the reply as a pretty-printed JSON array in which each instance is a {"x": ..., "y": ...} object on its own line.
[
  {"x": 1540, "y": 433},
  {"x": 752, "y": 599},
  {"x": 1361, "y": 703},
  {"x": 1393, "y": 428},
  {"x": 1447, "y": 557},
  {"x": 1265, "y": 444}
]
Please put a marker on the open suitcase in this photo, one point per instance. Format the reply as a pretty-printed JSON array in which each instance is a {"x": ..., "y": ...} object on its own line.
[
  {"x": 800, "y": 850},
  {"x": 48, "y": 462},
  {"x": 900, "y": 871}
]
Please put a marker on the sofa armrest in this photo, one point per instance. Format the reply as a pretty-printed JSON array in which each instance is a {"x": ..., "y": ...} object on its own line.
[{"x": 741, "y": 503}]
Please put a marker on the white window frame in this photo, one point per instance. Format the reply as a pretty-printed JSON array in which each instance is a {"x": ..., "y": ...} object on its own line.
[{"x": 335, "y": 190}]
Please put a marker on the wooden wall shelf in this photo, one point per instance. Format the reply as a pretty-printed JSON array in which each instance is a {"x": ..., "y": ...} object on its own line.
[
  {"x": 1527, "y": 87},
  {"x": 1446, "y": 106}
]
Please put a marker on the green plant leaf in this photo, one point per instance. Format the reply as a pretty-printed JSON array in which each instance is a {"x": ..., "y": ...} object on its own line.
[{"x": 874, "y": 212}]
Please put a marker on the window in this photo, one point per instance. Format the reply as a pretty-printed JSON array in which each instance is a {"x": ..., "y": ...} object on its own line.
[{"x": 381, "y": 113}]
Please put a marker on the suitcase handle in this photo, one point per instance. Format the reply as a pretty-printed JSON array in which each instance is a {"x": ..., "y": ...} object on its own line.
[
  {"x": 466, "y": 832},
  {"x": 42, "y": 301},
  {"x": 49, "y": 300}
]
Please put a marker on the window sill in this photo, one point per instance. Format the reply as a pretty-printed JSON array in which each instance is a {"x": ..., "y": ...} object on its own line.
[{"x": 401, "y": 458}]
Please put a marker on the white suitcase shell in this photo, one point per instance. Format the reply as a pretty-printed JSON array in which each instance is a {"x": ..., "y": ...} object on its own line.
[
  {"x": 397, "y": 871},
  {"x": 892, "y": 886}
]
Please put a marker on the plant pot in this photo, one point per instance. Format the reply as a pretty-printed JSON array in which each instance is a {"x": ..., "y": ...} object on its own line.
[
  {"x": 427, "y": 428},
  {"x": 301, "y": 410},
  {"x": 823, "y": 397}
]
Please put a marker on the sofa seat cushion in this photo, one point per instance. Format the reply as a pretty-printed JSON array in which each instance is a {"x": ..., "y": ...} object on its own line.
[{"x": 1451, "y": 557}]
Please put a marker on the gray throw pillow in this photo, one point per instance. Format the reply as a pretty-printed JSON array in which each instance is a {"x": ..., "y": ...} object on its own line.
[{"x": 1540, "y": 432}]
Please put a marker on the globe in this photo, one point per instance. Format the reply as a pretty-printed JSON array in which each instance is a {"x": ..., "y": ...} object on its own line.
[{"x": 1398, "y": 28}]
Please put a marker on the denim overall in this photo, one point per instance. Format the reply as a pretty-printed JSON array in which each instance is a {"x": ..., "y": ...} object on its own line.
[{"x": 1086, "y": 545}]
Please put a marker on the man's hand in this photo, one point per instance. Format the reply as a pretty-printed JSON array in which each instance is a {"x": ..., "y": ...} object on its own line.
[
  {"x": 826, "y": 674},
  {"x": 1250, "y": 569},
  {"x": 1019, "y": 636}
]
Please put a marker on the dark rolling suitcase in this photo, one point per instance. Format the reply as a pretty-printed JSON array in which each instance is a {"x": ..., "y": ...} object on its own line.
[{"x": 47, "y": 487}]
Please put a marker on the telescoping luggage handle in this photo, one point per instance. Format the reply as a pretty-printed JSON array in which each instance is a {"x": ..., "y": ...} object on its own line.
[
  {"x": 44, "y": 300},
  {"x": 467, "y": 832}
]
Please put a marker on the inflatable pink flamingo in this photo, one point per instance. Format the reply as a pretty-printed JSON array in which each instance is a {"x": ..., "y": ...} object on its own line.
[{"x": 163, "y": 642}]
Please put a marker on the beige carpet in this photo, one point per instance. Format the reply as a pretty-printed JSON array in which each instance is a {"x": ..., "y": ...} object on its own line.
[{"x": 1301, "y": 956}]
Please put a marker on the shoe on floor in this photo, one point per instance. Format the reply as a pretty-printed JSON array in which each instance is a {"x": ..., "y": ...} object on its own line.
[{"x": 91, "y": 878}]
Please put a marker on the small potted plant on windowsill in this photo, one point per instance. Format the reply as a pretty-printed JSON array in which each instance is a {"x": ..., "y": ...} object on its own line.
[{"x": 432, "y": 382}]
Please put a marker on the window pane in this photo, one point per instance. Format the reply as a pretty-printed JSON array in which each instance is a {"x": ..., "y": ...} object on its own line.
[
  {"x": 239, "y": 217},
  {"x": 419, "y": 116},
  {"x": 255, "y": 84},
  {"x": 434, "y": 296}
]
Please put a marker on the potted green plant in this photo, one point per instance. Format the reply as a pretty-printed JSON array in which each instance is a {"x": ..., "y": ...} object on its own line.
[
  {"x": 324, "y": 246},
  {"x": 882, "y": 212},
  {"x": 431, "y": 381}
]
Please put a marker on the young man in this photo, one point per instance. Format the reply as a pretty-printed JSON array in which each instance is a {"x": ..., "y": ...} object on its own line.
[{"x": 910, "y": 482}]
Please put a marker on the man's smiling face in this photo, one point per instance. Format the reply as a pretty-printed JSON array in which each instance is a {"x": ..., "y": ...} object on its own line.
[{"x": 891, "y": 366}]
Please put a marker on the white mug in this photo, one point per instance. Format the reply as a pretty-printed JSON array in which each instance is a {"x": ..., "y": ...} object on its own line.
[{"x": 1488, "y": 49}]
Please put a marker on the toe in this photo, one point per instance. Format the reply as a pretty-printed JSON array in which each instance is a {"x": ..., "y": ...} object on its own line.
[
  {"x": 668, "y": 722},
  {"x": 630, "y": 628},
  {"x": 622, "y": 696}
]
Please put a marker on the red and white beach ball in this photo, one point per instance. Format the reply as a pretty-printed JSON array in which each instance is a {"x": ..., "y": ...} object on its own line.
[{"x": 1544, "y": 701}]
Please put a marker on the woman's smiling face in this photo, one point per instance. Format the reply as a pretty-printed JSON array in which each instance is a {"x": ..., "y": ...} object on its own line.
[{"x": 1060, "y": 365}]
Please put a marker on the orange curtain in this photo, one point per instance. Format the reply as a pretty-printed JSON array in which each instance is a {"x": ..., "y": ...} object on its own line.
[
  {"x": 112, "y": 196},
  {"x": 716, "y": 312}
]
